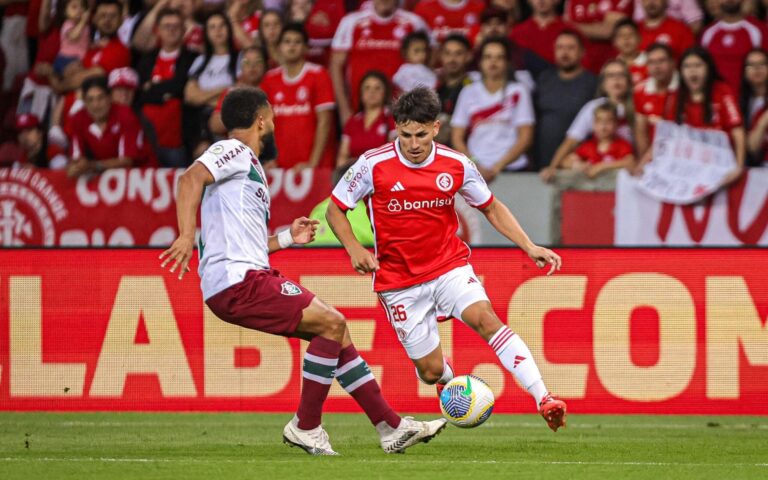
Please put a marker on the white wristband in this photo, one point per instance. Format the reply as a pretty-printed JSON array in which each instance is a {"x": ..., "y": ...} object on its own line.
[{"x": 284, "y": 238}]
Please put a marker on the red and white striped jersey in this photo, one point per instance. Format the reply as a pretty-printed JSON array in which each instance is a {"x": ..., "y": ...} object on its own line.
[{"x": 412, "y": 210}]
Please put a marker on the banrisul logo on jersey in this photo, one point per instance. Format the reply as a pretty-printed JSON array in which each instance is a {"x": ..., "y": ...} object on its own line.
[{"x": 396, "y": 206}]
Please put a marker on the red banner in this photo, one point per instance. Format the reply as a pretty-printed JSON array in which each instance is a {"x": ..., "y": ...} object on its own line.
[
  {"x": 633, "y": 330},
  {"x": 123, "y": 207}
]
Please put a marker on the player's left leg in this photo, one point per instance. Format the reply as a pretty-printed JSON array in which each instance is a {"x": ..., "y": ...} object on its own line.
[{"x": 463, "y": 293}]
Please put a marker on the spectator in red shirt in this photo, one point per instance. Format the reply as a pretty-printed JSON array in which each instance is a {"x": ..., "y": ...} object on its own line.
[
  {"x": 540, "y": 31},
  {"x": 301, "y": 95},
  {"x": 373, "y": 125},
  {"x": 704, "y": 101},
  {"x": 368, "y": 39},
  {"x": 651, "y": 96},
  {"x": 31, "y": 148},
  {"x": 730, "y": 39},
  {"x": 104, "y": 135},
  {"x": 596, "y": 20},
  {"x": 449, "y": 16},
  {"x": 321, "y": 22},
  {"x": 754, "y": 105},
  {"x": 245, "y": 17},
  {"x": 626, "y": 40},
  {"x": 658, "y": 27},
  {"x": 162, "y": 78},
  {"x": 107, "y": 53},
  {"x": 605, "y": 150}
]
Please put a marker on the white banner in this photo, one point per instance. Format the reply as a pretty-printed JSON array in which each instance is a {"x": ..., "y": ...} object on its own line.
[
  {"x": 738, "y": 216},
  {"x": 688, "y": 163}
]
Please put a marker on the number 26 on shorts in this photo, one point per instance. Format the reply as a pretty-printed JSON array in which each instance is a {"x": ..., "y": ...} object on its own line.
[{"x": 398, "y": 313}]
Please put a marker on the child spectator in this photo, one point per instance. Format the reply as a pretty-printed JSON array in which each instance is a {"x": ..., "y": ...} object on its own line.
[
  {"x": 626, "y": 40},
  {"x": 75, "y": 35},
  {"x": 605, "y": 150},
  {"x": 414, "y": 72}
]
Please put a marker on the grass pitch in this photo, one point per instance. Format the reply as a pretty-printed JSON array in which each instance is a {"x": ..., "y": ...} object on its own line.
[{"x": 117, "y": 446}]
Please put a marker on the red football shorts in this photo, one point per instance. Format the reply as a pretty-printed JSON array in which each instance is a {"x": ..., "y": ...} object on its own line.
[{"x": 265, "y": 301}]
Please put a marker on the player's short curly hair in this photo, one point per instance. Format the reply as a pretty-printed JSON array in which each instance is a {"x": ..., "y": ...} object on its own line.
[
  {"x": 241, "y": 106},
  {"x": 420, "y": 105}
]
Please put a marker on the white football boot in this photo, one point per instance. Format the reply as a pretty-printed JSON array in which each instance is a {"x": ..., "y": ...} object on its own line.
[
  {"x": 314, "y": 442},
  {"x": 408, "y": 433}
]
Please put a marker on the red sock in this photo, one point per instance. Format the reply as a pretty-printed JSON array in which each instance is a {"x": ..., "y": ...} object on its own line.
[
  {"x": 356, "y": 378},
  {"x": 319, "y": 369}
]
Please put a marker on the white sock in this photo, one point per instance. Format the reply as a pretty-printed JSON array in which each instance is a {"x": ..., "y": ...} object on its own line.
[
  {"x": 515, "y": 356},
  {"x": 445, "y": 378},
  {"x": 447, "y": 373}
]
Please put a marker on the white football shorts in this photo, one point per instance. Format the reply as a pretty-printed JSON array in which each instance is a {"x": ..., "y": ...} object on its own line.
[{"x": 414, "y": 311}]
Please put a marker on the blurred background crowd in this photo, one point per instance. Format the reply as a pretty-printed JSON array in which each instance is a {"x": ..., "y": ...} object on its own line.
[{"x": 572, "y": 90}]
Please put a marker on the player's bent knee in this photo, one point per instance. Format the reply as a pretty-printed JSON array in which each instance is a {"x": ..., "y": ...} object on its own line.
[
  {"x": 488, "y": 324},
  {"x": 334, "y": 325}
]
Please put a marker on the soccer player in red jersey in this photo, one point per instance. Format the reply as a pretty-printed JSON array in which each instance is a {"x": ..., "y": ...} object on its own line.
[
  {"x": 420, "y": 268},
  {"x": 229, "y": 186}
]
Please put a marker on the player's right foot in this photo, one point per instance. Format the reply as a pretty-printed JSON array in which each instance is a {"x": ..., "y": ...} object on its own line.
[
  {"x": 314, "y": 442},
  {"x": 553, "y": 410},
  {"x": 408, "y": 433}
]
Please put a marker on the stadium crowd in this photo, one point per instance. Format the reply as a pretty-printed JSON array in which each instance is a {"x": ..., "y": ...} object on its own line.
[{"x": 573, "y": 87}]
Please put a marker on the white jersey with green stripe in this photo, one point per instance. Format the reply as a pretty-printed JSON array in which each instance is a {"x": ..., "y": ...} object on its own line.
[{"x": 234, "y": 215}]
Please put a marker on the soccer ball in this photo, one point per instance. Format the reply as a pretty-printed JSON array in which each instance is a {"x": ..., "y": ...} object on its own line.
[{"x": 467, "y": 401}]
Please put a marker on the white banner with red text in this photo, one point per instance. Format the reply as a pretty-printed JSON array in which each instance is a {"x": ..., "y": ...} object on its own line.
[
  {"x": 616, "y": 331},
  {"x": 732, "y": 217}
]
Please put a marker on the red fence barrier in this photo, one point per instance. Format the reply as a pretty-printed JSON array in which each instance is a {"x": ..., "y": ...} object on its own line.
[{"x": 635, "y": 330}]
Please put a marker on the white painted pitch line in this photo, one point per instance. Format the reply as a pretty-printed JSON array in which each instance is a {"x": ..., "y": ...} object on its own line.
[{"x": 390, "y": 462}]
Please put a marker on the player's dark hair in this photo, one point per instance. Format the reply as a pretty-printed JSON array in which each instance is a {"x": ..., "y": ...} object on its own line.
[
  {"x": 660, "y": 46},
  {"x": 458, "y": 38},
  {"x": 420, "y": 105},
  {"x": 95, "y": 82},
  {"x": 380, "y": 77},
  {"x": 241, "y": 107},
  {"x": 417, "y": 36},
  {"x": 294, "y": 27}
]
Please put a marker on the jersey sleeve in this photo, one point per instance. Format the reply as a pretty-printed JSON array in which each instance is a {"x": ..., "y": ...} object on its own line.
[
  {"x": 222, "y": 163},
  {"x": 356, "y": 184},
  {"x": 343, "y": 38},
  {"x": 474, "y": 190},
  {"x": 731, "y": 115},
  {"x": 324, "y": 99}
]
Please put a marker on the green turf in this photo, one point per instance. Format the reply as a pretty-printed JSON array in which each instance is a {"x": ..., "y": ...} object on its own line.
[{"x": 116, "y": 446}]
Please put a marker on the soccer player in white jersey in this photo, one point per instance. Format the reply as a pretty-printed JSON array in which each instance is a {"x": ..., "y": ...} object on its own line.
[
  {"x": 240, "y": 287},
  {"x": 421, "y": 268}
]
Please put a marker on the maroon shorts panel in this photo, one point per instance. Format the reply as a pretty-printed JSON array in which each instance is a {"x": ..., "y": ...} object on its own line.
[{"x": 265, "y": 301}]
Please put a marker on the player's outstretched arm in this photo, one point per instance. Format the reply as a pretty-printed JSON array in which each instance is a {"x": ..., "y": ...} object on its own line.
[
  {"x": 188, "y": 197},
  {"x": 506, "y": 224},
  {"x": 302, "y": 231},
  {"x": 363, "y": 260}
]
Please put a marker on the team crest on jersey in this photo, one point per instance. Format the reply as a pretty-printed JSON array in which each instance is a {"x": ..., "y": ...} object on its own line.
[
  {"x": 302, "y": 93},
  {"x": 444, "y": 182},
  {"x": 289, "y": 289}
]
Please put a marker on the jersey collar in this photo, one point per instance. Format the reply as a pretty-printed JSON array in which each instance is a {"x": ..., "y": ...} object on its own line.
[{"x": 409, "y": 164}]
